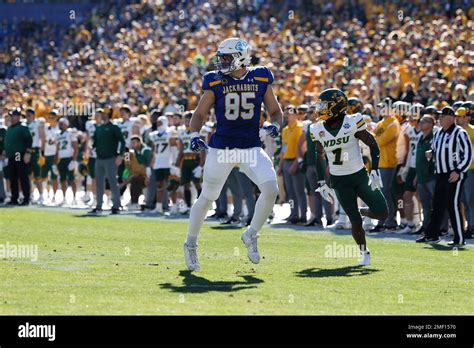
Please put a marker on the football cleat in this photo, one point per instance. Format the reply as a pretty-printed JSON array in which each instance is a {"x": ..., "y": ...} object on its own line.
[
  {"x": 364, "y": 259},
  {"x": 407, "y": 229},
  {"x": 158, "y": 210},
  {"x": 250, "y": 242},
  {"x": 190, "y": 257},
  {"x": 174, "y": 209},
  {"x": 343, "y": 222}
]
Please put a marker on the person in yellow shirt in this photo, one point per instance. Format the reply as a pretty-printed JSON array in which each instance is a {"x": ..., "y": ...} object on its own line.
[
  {"x": 463, "y": 117},
  {"x": 386, "y": 133},
  {"x": 294, "y": 178}
]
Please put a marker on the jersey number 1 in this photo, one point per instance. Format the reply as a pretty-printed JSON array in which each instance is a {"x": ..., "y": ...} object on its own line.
[
  {"x": 337, "y": 157},
  {"x": 238, "y": 105}
]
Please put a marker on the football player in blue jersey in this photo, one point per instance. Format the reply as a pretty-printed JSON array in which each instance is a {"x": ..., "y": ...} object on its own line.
[{"x": 236, "y": 92}]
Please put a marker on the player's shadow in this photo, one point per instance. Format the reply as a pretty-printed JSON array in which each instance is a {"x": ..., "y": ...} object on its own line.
[
  {"x": 226, "y": 227},
  {"x": 198, "y": 285},
  {"x": 349, "y": 271},
  {"x": 444, "y": 247},
  {"x": 89, "y": 216}
]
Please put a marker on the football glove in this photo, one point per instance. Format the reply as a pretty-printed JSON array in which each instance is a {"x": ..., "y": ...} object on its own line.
[
  {"x": 403, "y": 172},
  {"x": 174, "y": 171},
  {"x": 326, "y": 192},
  {"x": 375, "y": 179},
  {"x": 72, "y": 166},
  {"x": 148, "y": 172},
  {"x": 272, "y": 129},
  {"x": 54, "y": 169},
  {"x": 197, "y": 144},
  {"x": 197, "y": 172}
]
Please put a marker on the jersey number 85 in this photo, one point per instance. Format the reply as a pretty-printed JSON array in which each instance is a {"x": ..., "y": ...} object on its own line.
[{"x": 238, "y": 105}]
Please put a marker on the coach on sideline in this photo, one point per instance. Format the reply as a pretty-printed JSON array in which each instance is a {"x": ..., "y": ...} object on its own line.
[
  {"x": 110, "y": 145},
  {"x": 18, "y": 141},
  {"x": 451, "y": 151}
]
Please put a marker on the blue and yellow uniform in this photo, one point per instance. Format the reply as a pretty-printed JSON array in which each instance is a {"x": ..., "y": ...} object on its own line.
[{"x": 237, "y": 107}]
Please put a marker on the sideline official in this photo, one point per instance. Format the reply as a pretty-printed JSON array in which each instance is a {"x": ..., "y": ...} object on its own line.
[
  {"x": 451, "y": 151},
  {"x": 18, "y": 142},
  {"x": 110, "y": 146}
]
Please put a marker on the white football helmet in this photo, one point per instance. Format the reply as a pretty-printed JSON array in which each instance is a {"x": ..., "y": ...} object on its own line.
[
  {"x": 232, "y": 54},
  {"x": 164, "y": 123}
]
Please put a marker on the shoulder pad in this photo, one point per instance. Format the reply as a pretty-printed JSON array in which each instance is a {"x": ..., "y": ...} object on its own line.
[
  {"x": 211, "y": 79},
  {"x": 314, "y": 131},
  {"x": 262, "y": 74},
  {"x": 359, "y": 121}
]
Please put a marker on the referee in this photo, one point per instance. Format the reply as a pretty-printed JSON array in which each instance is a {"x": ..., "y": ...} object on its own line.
[{"x": 451, "y": 151}]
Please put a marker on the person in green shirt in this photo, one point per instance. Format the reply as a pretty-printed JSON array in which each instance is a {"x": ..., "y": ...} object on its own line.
[
  {"x": 137, "y": 163},
  {"x": 17, "y": 145},
  {"x": 3, "y": 195},
  {"x": 110, "y": 145},
  {"x": 425, "y": 170}
]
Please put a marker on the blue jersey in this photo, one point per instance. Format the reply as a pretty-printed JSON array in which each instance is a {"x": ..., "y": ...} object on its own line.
[{"x": 237, "y": 107}]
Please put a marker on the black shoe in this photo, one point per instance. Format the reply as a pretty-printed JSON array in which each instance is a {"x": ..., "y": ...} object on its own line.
[
  {"x": 425, "y": 239},
  {"x": 314, "y": 222},
  {"x": 329, "y": 223},
  {"x": 378, "y": 228},
  {"x": 248, "y": 221},
  {"x": 232, "y": 222},
  {"x": 443, "y": 232},
  {"x": 218, "y": 216},
  {"x": 469, "y": 234},
  {"x": 94, "y": 211},
  {"x": 394, "y": 228},
  {"x": 303, "y": 221},
  {"x": 456, "y": 244},
  {"x": 24, "y": 203},
  {"x": 115, "y": 211},
  {"x": 12, "y": 203},
  {"x": 421, "y": 230},
  {"x": 293, "y": 220}
]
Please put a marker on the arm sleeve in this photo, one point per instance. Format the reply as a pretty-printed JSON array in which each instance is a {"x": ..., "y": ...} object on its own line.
[
  {"x": 121, "y": 143},
  {"x": 375, "y": 156},
  {"x": 28, "y": 138},
  {"x": 465, "y": 151},
  {"x": 147, "y": 155}
]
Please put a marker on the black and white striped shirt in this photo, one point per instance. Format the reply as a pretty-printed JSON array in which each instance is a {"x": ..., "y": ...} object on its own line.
[{"x": 452, "y": 150}]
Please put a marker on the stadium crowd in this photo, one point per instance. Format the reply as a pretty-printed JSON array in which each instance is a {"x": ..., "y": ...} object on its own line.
[{"x": 137, "y": 69}]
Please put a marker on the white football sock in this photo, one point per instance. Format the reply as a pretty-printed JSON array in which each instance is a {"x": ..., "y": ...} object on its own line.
[
  {"x": 196, "y": 218},
  {"x": 264, "y": 205}
]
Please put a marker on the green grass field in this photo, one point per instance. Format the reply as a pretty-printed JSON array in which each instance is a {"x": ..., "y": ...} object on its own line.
[{"x": 126, "y": 265}]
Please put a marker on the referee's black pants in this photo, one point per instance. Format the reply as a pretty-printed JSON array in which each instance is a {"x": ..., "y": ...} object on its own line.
[
  {"x": 18, "y": 172},
  {"x": 447, "y": 196}
]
